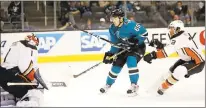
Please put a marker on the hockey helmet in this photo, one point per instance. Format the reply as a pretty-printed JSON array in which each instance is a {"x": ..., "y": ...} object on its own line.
[
  {"x": 32, "y": 40},
  {"x": 117, "y": 13},
  {"x": 117, "y": 17},
  {"x": 178, "y": 26}
]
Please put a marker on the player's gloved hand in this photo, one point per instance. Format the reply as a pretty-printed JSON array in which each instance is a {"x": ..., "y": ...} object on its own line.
[
  {"x": 133, "y": 44},
  {"x": 148, "y": 57},
  {"x": 156, "y": 43},
  {"x": 133, "y": 40},
  {"x": 106, "y": 59},
  {"x": 123, "y": 45},
  {"x": 133, "y": 48}
]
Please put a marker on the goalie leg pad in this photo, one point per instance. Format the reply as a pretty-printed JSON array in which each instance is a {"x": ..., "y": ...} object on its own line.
[
  {"x": 33, "y": 98},
  {"x": 7, "y": 99},
  {"x": 7, "y": 103}
]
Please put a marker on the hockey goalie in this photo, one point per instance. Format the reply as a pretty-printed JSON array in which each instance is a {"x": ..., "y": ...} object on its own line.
[{"x": 20, "y": 68}]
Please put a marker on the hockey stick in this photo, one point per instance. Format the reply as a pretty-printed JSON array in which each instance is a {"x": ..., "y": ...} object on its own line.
[
  {"x": 91, "y": 34},
  {"x": 14, "y": 84},
  {"x": 112, "y": 57},
  {"x": 52, "y": 84},
  {"x": 75, "y": 76},
  {"x": 112, "y": 44}
]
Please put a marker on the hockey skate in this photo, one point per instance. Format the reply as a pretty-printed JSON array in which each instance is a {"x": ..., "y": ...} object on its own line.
[
  {"x": 161, "y": 91},
  {"x": 105, "y": 88},
  {"x": 132, "y": 91}
]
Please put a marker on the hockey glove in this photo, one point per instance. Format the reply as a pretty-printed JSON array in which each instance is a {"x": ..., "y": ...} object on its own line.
[
  {"x": 133, "y": 40},
  {"x": 133, "y": 44},
  {"x": 148, "y": 57},
  {"x": 128, "y": 43},
  {"x": 157, "y": 44},
  {"x": 106, "y": 59}
]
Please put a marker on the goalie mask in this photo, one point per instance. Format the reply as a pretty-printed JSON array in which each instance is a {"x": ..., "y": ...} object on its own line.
[{"x": 32, "y": 40}]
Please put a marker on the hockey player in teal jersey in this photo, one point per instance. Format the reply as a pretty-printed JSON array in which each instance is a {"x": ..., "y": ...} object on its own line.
[{"x": 126, "y": 33}]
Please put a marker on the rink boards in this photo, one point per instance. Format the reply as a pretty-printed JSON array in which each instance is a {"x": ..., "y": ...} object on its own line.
[{"x": 76, "y": 46}]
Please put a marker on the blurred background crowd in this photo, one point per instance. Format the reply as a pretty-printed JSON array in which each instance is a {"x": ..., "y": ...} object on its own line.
[{"x": 95, "y": 15}]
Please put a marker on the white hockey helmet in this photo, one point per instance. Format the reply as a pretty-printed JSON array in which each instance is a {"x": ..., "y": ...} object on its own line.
[{"x": 178, "y": 26}]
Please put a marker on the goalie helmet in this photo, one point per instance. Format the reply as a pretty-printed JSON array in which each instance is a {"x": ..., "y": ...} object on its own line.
[
  {"x": 32, "y": 40},
  {"x": 178, "y": 26}
]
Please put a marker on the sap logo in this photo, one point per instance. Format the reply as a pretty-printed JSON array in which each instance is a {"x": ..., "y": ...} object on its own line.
[
  {"x": 47, "y": 41},
  {"x": 3, "y": 43},
  {"x": 91, "y": 43}
]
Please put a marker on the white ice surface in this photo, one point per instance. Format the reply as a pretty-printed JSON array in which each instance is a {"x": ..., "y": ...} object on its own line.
[{"x": 84, "y": 90}]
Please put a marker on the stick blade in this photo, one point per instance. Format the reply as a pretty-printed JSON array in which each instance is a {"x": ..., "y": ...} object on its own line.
[
  {"x": 75, "y": 76},
  {"x": 39, "y": 79}
]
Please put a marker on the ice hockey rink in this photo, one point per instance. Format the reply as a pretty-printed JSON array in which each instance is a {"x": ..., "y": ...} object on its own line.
[{"x": 84, "y": 90}]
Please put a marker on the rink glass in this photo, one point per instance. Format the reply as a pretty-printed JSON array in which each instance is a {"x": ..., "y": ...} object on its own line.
[{"x": 50, "y": 15}]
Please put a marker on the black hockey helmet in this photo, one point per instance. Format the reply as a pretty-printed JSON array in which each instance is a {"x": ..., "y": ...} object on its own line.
[{"x": 117, "y": 12}]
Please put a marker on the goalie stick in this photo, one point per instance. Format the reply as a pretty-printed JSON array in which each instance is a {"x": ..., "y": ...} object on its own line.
[
  {"x": 15, "y": 83},
  {"x": 53, "y": 84},
  {"x": 112, "y": 57}
]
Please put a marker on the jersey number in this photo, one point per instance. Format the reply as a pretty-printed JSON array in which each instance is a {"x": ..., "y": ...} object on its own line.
[
  {"x": 173, "y": 42},
  {"x": 7, "y": 54},
  {"x": 137, "y": 27}
]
